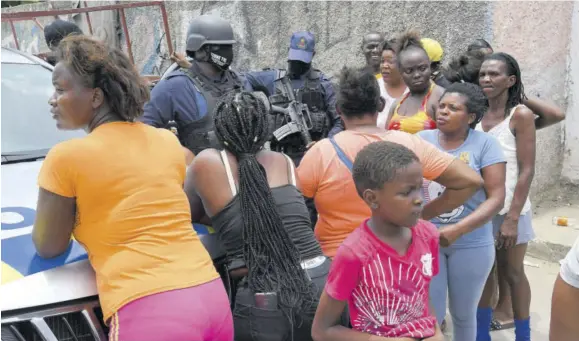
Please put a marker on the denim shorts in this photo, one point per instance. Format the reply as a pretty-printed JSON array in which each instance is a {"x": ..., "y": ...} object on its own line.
[{"x": 525, "y": 227}]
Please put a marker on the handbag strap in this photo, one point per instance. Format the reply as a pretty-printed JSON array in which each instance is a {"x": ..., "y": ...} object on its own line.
[{"x": 343, "y": 157}]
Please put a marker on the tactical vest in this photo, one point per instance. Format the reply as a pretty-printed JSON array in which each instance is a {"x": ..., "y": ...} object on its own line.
[
  {"x": 311, "y": 94},
  {"x": 199, "y": 135}
]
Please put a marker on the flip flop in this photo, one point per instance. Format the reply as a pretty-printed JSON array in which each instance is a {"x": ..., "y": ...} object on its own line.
[{"x": 497, "y": 325}]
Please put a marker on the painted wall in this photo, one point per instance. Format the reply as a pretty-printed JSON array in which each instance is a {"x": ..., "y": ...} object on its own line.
[
  {"x": 571, "y": 150},
  {"x": 536, "y": 33}
]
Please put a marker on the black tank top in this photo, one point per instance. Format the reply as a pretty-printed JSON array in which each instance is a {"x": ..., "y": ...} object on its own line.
[{"x": 228, "y": 223}]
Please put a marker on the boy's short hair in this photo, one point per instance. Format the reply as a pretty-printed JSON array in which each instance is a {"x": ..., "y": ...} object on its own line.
[{"x": 378, "y": 163}]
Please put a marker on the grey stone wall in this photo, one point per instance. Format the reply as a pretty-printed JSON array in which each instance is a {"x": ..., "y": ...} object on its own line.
[{"x": 264, "y": 28}]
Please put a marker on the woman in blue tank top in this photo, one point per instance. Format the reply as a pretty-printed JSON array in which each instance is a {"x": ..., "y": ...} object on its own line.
[{"x": 466, "y": 235}]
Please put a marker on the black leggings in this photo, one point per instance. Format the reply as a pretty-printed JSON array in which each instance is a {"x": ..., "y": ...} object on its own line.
[{"x": 255, "y": 324}]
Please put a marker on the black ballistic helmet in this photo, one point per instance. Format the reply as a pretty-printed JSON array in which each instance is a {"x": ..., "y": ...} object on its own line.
[{"x": 208, "y": 30}]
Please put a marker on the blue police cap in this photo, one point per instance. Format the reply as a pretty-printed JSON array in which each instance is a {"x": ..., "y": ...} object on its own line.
[{"x": 302, "y": 46}]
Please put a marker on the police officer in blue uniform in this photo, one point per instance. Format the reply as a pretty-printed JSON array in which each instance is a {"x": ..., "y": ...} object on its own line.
[
  {"x": 184, "y": 101},
  {"x": 311, "y": 87}
]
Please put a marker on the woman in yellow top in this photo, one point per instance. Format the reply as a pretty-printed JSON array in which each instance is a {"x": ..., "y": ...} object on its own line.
[
  {"x": 119, "y": 191},
  {"x": 414, "y": 111}
]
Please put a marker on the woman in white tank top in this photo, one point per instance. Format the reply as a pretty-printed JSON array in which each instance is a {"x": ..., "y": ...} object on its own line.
[
  {"x": 513, "y": 124},
  {"x": 502, "y": 122},
  {"x": 392, "y": 86}
]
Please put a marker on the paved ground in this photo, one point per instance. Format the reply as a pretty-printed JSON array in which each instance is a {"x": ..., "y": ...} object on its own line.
[{"x": 542, "y": 267}]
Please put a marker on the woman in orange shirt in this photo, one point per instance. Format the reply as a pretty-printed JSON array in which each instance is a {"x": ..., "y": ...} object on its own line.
[
  {"x": 414, "y": 111},
  {"x": 325, "y": 170},
  {"x": 119, "y": 191}
]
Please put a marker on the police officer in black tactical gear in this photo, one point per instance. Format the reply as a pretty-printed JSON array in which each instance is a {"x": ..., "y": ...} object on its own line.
[
  {"x": 311, "y": 87},
  {"x": 184, "y": 100}
]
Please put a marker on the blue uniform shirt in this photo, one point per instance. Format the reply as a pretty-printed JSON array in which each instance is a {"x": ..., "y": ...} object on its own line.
[
  {"x": 178, "y": 95},
  {"x": 176, "y": 98},
  {"x": 268, "y": 77},
  {"x": 479, "y": 150}
]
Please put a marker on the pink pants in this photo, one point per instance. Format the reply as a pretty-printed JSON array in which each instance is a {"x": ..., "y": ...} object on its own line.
[{"x": 199, "y": 313}]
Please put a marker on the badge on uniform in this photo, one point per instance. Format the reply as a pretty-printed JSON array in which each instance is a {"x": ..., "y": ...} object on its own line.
[{"x": 172, "y": 126}]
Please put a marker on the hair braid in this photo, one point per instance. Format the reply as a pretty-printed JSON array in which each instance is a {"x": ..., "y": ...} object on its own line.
[{"x": 271, "y": 257}]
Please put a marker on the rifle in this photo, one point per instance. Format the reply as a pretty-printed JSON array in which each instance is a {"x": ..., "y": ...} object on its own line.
[{"x": 298, "y": 113}]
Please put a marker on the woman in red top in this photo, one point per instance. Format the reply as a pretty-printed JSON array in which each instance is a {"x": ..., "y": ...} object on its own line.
[{"x": 383, "y": 270}]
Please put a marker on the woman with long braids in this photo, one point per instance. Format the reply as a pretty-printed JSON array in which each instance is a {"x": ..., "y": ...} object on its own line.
[{"x": 252, "y": 197}]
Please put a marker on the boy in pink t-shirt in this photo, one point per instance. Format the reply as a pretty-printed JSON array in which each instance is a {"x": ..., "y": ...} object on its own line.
[{"x": 384, "y": 268}]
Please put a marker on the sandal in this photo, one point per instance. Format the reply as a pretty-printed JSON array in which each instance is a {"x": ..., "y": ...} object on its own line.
[{"x": 497, "y": 325}]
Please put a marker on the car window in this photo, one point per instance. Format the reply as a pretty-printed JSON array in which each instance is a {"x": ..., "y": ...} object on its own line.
[{"x": 27, "y": 124}]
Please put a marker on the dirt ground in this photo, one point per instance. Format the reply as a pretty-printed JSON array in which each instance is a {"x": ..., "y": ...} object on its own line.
[{"x": 561, "y": 195}]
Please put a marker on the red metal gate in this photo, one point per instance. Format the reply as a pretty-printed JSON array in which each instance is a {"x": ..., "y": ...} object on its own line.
[{"x": 21, "y": 16}]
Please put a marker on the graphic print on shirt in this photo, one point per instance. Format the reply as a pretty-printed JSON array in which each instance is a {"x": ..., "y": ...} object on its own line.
[
  {"x": 433, "y": 190},
  {"x": 465, "y": 156},
  {"x": 426, "y": 260},
  {"x": 392, "y": 297}
]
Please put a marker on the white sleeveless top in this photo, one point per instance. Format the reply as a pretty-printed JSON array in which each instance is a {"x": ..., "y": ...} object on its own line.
[
  {"x": 506, "y": 138},
  {"x": 383, "y": 115}
]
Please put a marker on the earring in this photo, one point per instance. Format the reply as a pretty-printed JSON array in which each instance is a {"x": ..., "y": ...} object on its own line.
[{"x": 374, "y": 206}]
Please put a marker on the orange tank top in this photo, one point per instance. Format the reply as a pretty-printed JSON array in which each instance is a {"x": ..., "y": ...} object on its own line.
[{"x": 415, "y": 123}]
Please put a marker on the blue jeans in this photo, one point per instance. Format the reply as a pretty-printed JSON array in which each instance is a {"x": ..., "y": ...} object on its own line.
[{"x": 463, "y": 274}]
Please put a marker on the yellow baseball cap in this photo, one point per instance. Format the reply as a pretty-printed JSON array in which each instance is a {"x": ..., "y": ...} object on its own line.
[{"x": 433, "y": 49}]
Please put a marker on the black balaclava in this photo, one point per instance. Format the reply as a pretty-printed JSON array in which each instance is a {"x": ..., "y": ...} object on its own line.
[{"x": 296, "y": 68}]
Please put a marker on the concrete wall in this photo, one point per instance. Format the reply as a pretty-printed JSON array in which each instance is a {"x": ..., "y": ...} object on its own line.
[
  {"x": 571, "y": 151},
  {"x": 264, "y": 28},
  {"x": 536, "y": 33}
]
